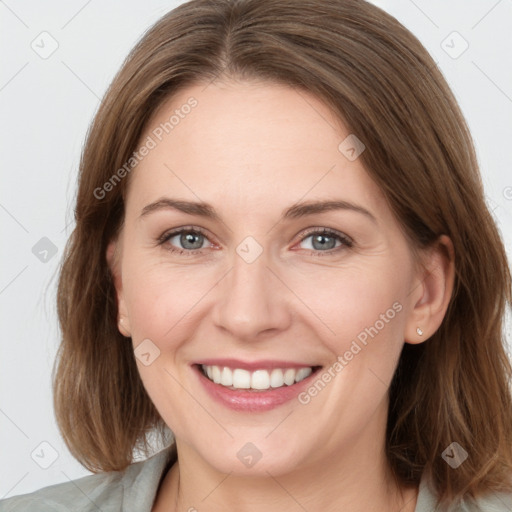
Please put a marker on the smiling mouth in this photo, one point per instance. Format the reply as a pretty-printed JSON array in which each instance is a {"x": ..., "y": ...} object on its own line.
[{"x": 258, "y": 380}]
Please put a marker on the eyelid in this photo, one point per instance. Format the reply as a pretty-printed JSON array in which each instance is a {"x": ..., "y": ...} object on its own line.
[
  {"x": 346, "y": 241},
  {"x": 320, "y": 230},
  {"x": 167, "y": 235}
]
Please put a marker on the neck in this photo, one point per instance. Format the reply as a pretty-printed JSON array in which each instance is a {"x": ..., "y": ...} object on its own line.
[{"x": 356, "y": 478}]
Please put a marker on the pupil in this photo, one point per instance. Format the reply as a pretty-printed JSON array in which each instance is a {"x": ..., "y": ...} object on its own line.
[
  {"x": 191, "y": 241},
  {"x": 324, "y": 242}
]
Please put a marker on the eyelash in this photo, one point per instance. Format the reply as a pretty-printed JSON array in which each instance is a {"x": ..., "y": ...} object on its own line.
[{"x": 346, "y": 242}]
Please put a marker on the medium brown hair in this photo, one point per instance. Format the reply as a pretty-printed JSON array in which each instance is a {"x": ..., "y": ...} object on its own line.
[{"x": 383, "y": 85}]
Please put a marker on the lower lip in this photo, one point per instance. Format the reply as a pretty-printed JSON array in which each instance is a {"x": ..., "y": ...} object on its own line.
[{"x": 250, "y": 400}]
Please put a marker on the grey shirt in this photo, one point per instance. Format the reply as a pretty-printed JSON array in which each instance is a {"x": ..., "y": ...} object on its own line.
[{"x": 135, "y": 489}]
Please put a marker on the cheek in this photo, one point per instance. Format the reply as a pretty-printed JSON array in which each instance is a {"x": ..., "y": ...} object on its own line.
[
  {"x": 161, "y": 297},
  {"x": 357, "y": 302},
  {"x": 161, "y": 303}
]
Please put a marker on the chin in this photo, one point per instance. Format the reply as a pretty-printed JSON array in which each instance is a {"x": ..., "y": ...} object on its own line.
[{"x": 255, "y": 459}]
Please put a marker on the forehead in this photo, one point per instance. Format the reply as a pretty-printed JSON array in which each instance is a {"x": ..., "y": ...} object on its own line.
[{"x": 249, "y": 143}]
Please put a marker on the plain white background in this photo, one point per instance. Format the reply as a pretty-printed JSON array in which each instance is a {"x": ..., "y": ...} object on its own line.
[{"x": 46, "y": 107}]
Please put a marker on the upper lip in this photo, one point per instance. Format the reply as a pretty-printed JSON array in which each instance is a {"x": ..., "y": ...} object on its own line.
[{"x": 262, "y": 364}]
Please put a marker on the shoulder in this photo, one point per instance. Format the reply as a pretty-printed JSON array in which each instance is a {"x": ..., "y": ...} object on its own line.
[
  {"x": 136, "y": 485},
  {"x": 492, "y": 502},
  {"x": 83, "y": 494}
]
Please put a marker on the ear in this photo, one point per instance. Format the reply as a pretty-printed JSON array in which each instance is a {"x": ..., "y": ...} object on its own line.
[
  {"x": 113, "y": 256},
  {"x": 431, "y": 291}
]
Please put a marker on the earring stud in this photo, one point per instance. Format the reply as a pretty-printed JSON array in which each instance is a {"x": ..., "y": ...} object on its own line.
[{"x": 419, "y": 331}]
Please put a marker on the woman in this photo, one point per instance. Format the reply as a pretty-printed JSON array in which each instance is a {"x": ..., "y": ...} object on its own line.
[{"x": 283, "y": 256}]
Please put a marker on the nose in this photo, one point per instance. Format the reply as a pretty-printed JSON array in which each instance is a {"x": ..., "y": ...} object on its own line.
[{"x": 252, "y": 302}]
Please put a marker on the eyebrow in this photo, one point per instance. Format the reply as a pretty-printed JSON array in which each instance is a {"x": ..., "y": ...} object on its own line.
[{"x": 298, "y": 210}]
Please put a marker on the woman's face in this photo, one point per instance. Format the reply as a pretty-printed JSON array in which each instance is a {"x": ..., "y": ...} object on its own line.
[{"x": 289, "y": 259}]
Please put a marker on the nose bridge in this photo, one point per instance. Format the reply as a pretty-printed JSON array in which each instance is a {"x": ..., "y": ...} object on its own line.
[{"x": 250, "y": 300}]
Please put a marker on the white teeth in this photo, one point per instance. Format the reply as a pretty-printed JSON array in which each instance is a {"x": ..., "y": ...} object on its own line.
[
  {"x": 226, "y": 377},
  {"x": 260, "y": 379},
  {"x": 216, "y": 374},
  {"x": 302, "y": 374},
  {"x": 276, "y": 378},
  {"x": 289, "y": 376},
  {"x": 241, "y": 379}
]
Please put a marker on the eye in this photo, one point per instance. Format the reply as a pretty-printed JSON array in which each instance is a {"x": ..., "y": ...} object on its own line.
[
  {"x": 325, "y": 240},
  {"x": 191, "y": 241},
  {"x": 184, "y": 240}
]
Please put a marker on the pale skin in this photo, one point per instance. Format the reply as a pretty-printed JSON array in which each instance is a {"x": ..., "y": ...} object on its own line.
[{"x": 252, "y": 150}]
